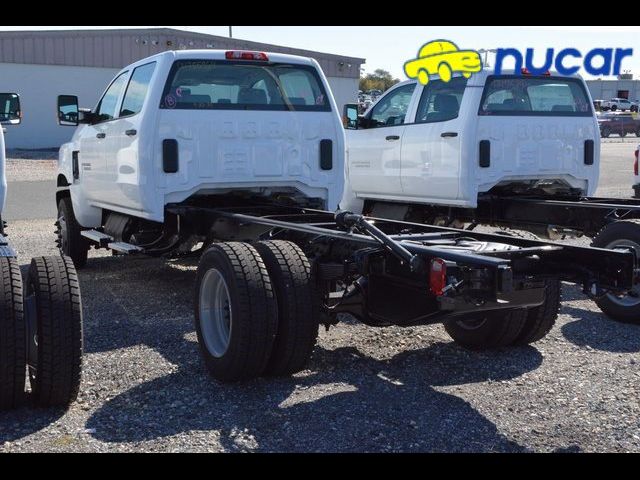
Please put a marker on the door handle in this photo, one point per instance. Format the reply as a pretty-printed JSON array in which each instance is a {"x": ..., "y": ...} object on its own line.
[
  {"x": 101, "y": 135},
  {"x": 449, "y": 134},
  {"x": 393, "y": 137},
  {"x": 131, "y": 133}
]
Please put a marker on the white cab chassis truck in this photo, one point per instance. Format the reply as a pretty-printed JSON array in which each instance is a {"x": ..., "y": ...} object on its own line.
[
  {"x": 519, "y": 151},
  {"x": 238, "y": 157},
  {"x": 40, "y": 319}
]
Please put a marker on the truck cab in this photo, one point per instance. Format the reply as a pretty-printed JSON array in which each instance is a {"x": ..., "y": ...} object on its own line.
[
  {"x": 185, "y": 124},
  {"x": 447, "y": 143}
]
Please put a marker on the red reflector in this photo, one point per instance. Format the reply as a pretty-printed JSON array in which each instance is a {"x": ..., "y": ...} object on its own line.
[
  {"x": 525, "y": 71},
  {"x": 635, "y": 164},
  {"x": 244, "y": 55},
  {"x": 437, "y": 276}
]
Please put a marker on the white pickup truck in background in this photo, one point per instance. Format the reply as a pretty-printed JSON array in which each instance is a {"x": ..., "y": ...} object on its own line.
[
  {"x": 619, "y": 104},
  {"x": 513, "y": 150},
  {"x": 445, "y": 144}
]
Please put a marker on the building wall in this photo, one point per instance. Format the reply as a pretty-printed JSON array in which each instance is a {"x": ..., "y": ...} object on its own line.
[
  {"x": 117, "y": 48},
  {"x": 607, "y": 89},
  {"x": 345, "y": 90},
  {"x": 40, "y": 85}
]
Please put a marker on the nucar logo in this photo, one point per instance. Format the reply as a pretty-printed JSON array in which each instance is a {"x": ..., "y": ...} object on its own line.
[
  {"x": 597, "y": 62},
  {"x": 444, "y": 58}
]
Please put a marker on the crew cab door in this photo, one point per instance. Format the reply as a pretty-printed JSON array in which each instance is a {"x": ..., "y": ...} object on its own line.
[
  {"x": 97, "y": 142},
  {"x": 122, "y": 169},
  {"x": 430, "y": 158},
  {"x": 374, "y": 149}
]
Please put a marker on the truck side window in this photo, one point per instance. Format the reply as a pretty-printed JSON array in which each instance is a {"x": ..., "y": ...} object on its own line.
[
  {"x": 440, "y": 101},
  {"x": 137, "y": 90},
  {"x": 107, "y": 108},
  {"x": 392, "y": 108}
]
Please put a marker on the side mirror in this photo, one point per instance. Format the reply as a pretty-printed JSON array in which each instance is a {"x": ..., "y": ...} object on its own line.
[
  {"x": 68, "y": 111},
  {"x": 10, "y": 113},
  {"x": 350, "y": 116}
]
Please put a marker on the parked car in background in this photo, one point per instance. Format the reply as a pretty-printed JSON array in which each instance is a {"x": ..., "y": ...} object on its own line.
[
  {"x": 618, "y": 123},
  {"x": 621, "y": 104}
]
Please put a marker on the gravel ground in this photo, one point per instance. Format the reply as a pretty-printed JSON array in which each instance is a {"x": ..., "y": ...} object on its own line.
[{"x": 144, "y": 387}]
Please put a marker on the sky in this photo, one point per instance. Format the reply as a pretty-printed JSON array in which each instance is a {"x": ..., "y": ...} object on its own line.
[{"x": 389, "y": 47}]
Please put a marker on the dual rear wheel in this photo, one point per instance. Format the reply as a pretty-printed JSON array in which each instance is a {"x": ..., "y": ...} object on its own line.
[
  {"x": 508, "y": 327},
  {"x": 255, "y": 310},
  {"x": 40, "y": 331}
]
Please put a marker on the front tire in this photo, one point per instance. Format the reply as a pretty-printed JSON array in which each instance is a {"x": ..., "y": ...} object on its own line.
[
  {"x": 235, "y": 312},
  {"x": 625, "y": 308},
  {"x": 605, "y": 132},
  {"x": 487, "y": 331},
  {"x": 298, "y": 313},
  {"x": 54, "y": 308},
  {"x": 13, "y": 360},
  {"x": 70, "y": 242}
]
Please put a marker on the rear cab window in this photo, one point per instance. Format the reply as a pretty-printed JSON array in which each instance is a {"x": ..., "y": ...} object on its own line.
[
  {"x": 510, "y": 95},
  {"x": 229, "y": 85}
]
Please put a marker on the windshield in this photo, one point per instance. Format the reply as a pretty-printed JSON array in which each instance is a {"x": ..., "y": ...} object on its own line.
[
  {"x": 224, "y": 85},
  {"x": 535, "y": 96}
]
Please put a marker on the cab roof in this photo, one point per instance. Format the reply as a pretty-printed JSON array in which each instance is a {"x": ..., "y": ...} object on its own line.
[{"x": 210, "y": 54}]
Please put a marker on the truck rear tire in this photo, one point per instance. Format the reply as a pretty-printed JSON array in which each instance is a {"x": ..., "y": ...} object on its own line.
[
  {"x": 298, "y": 313},
  {"x": 626, "y": 308},
  {"x": 13, "y": 360},
  {"x": 54, "y": 311},
  {"x": 70, "y": 242},
  {"x": 487, "y": 331},
  {"x": 605, "y": 132},
  {"x": 540, "y": 320},
  {"x": 236, "y": 314}
]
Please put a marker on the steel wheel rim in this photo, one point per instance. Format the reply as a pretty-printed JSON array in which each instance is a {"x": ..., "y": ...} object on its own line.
[
  {"x": 215, "y": 313},
  {"x": 632, "y": 298}
]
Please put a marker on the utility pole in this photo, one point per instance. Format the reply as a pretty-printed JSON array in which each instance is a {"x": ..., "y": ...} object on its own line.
[
  {"x": 230, "y": 32},
  {"x": 486, "y": 54}
]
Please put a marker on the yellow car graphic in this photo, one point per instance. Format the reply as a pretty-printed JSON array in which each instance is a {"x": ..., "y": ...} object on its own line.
[{"x": 443, "y": 58}]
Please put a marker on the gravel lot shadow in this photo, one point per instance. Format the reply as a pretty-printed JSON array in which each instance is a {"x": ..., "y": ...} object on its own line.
[
  {"x": 601, "y": 333},
  {"x": 349, "y": 402},
  {"x": 571, "y": 292},
  {"x": 133, "y": 301},
  {"x": 19, "y": 423}
]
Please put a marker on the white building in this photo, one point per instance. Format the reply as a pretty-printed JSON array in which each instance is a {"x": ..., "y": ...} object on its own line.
[
  {"x": 41, "y": 65},
  {"x": 608, "y": 89}
]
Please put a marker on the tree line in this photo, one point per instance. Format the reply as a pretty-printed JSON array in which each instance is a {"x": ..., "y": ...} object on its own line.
[{"x": 378, "y": 80}]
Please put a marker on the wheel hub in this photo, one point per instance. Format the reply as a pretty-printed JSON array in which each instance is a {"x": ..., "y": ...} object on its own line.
[
  {"x": 631, "y": 298},
  {"x": 216, "y": 316}
]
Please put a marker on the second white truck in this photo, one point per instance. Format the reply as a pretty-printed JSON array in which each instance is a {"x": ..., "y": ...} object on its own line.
[{"x": 513, "y": 150}]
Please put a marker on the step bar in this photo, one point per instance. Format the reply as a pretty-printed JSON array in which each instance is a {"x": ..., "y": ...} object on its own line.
[{"x": 107, "y": 241}]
